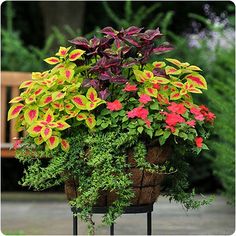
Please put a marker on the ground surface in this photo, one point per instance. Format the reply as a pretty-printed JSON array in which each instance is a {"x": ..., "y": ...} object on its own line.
[{"x": 49, "y": 214}]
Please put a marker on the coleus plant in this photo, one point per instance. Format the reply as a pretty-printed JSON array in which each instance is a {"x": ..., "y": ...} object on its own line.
[
  {"x": 104, "y": 86},
  {"x": 109, "y": 81}
]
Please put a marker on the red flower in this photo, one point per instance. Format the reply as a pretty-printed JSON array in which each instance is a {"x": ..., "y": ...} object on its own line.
[
  {"x": 191, "y": 123},
  {"x": 114, "y": 106},
  {"x": 144, "y": 98},
  {"x": 17, "y": 143},
  {"x": 148, "y": 123},
  {"x": 198, "y": 141},
  {"x": 203, "y": 108},
  {"x": 172, "y": 119},
  {"x": 177, "y": 108},
  {"x": 197, "y": 113},
  {"x": 210, "y": 116},
  {"x": 138, "y": 112},
  {"x": 130, "y": 88},
  {"x": 172, "y": 128}
]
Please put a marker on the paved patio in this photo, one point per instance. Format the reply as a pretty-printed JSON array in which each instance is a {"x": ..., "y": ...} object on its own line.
[{"x": 49, "y": 214}]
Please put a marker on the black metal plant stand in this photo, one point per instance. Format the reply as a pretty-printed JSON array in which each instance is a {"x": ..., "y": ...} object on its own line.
[{"x": 129, "y": 210}]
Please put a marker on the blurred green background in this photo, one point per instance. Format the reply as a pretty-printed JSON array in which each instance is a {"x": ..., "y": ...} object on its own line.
[{"x": 203, "y": 34}]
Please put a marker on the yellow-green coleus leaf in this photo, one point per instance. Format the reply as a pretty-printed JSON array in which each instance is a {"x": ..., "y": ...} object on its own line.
[
  {"x": 62, "y": 52},
  {"x": 16, "y": 99},
  {"x": 15, "y": 110},
  {"x": 90, "y": 121},
  {"x": 52, "y": 60},
  {"x": 76, "y": 54},
  {"x": 35, "y": 129},
  {"x": 197, "y": 80},
  {"x": 31, "y": 114},
  {"x": 46, "y": 133},
  {"x": 65, "y": 146},
  {"x": 53, "y": 142},
  {"x": 61, "y": 125},
  {"x": 80, "y": 101}
]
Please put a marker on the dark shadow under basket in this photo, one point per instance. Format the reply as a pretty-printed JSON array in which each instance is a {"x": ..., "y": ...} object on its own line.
[{"x": 146, "y": 185}]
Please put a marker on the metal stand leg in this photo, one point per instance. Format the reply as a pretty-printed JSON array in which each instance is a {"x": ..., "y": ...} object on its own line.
[
  {"x": 149, "y": 223},
  {"x": 75, "y": 225},
  {"x": 112, "y": 229}
]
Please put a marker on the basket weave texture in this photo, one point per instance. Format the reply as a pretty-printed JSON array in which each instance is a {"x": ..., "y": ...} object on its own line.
[{"x": 146, "y": 185}]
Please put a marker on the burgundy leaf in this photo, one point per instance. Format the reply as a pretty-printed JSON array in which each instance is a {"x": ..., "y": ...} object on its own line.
[
  {"x": 80, "y": 41},
  {"x": 94, "y": 83},
  {"x": 129, "y": 63},
  {"x": 104, "y": 94},
  {"x": 163, "y": 48},
  {"x": 133, "y": 30},
  {"x": 109, "y": 31},
  {"x": 94, "y": 42},
  {"x": 118, "y": 79},
  {"x": 104, "y": 76},
  {"x": 86, "y": 83},
  {"x": 132, "y": 41}
]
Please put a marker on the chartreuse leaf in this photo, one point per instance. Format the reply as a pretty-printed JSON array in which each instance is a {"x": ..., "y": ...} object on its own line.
[
  {"x": 82, "y": 116},
  {"x": 61, "y": 125},
  {"x": 140, "y": 129},
  {"x": 170, "y": 70},
  {"x": 16, "y": 99},
  {"x": 151, "y": 91},
  {"x": 140, "y": 76},
  {"x": 160, "y": 80},
  {"x": 48, "y": 117},
  {"x": 31, "y": 114},
  {"x": 90, "y": 121},
  {"x": 45, "y": 99},
  {"x": 159, "y": 64},
  {"x": 178, "y": 84},
  {"x": 67, "y": 73},
  {"x": 58, "y": 95},
  {"x": 53, "y": 142},
  {"x": 174, "y": 61},
  {"x": 76, "y": 54},
  {"x": 192, "y": 67},
  {"x": 197, "y": 80},
  {"x": 92, "y": 95},
  {"x": 80, "y": 101},
  {"x": 38, "y": 140},
  {"x": 65, "y": 146},
  {"x": 15, "y": 110},
  {"x": 46, "y": 133},
  {"x": 35, "y": 129},
  {"x": 26, "y": 84},
  {"x": 62, "y": 52},
  {"x": 175, "y": 95},
  {"x": 52, "y": 60}
]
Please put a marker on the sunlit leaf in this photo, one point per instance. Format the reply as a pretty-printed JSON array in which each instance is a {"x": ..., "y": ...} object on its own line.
[
  {"x": 76, "y": 54},
  {"x": 52, "y": 60},
  {"x": 15, "y": 110},
  {"x": 31, "y": 114},
  {"x": 46, "y": 133},
  {"x": 65, "y": 146},
  {"x": 197, "y": 80},
  {"x": 80, "y": 101},
  {"x": 90, "y": 121},
  {"x": 53, "y": 142},
  {"x": 173, "y": 61}
]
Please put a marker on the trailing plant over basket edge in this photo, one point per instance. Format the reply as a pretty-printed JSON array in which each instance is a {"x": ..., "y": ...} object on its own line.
[{"x": 100, "y": 99}]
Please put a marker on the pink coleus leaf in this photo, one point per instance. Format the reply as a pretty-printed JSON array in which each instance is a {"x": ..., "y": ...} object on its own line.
[
  {"x": 65, "y": 146},
  {"x": 52, "y": 60},
  {"x": 35, "y": 129},
  {"x": 31, "y": 114},
  {"x": 46, "y": 133},
  {"x": 45, "y": 99},
  {"x": 76, "y": 54},
  {"x": 15, "y": 110}
]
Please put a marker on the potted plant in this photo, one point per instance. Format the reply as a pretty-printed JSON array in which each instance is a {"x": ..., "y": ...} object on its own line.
[{"x": 112, "y": 122}]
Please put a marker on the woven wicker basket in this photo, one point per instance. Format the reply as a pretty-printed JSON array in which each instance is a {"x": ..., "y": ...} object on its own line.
[{"x": 146, "y": 185}]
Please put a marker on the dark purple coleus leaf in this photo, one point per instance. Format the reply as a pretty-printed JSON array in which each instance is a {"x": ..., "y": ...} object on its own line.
[
  {"x": 109, "y": 31},
  {"x": 105, "y": 76},
  {"x": 81, "y": 42},
  {"x": 129, "y": 63},
  {"x": 163, "y": 48},
  {"x": 104, "y": 94},
  {"x": 133, "y": 30},
  {"x": 118, "y": 79},
  {"x": 132, "y": 41}
]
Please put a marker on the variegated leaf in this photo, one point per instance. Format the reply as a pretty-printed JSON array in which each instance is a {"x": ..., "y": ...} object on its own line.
[
  {"x": 197, "y": 80},
  {"x": 46, "y": 133},
  {"x": 31, "y": 114},
  {"x": 90, "y": 121},
  {"x": 52, "y": 60},
  {"x": 53, "y": 142},
  {"x": 76, "y": 54},
  {"x": 65, "y": 146},
  {"x": 15, "y": 110}
]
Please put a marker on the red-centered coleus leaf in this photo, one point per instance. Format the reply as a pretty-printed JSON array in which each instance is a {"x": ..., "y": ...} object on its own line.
[
  {"x": 162, "y": 99},
  {"x": 16, "y": 99},
  {"x": 15, "y": 110},
  {"x": 65, "y": 146},
  {"x": 50, "y": 82},
  {"x": 30, "y": 99},
  {"x": 38, "y": 140},
  {"x": 58, "y": 105},
  {"x": 53, "y": 142},
  {"x": 36, "y": 75},
  {"x": 67, "y": 73},
  {"x": 46, "y": 133},
  {"x": 92, "y": 95},
  {"x": 194, "y": 90},
  {"x": 197, "y": 80},
  {"x": 62, "y": 52},
  {"x": 175, "y": 95},
  {"x": 160, "y": 80},
  {"x": 150, "y": 91},
  {"x": 69, "y": 106},
  {"x": 61, "y": 125},
  {"x": 159, "y": 64},
  {"x": 174, "y": 61},
  {"x": 90, "y": 121},
  {"x": 170, "y": 70},
  {"x": 39, "y": 91},
  {"x": 80, "y": 101},
  {"x": 19, "y": 125},
  {"x": 140, "y": 76},
  {"x": 48, "y": 117},
  {"x": 26, "y": 84},
  {"x": 90, "y": 106},
  {"x": 194, "y": 68},
  {"x": 45, "y": 99},
  {"x": 82, "y": 116},
  {"x": 177, "y": 84},
  {"x": 132, "y": 30},
  {"x": 31, "y": 114},
  {"x": 76, "y": 54},
  {"x": 35, "y": 129},
  {"x": 52, "y": 60},
  {"x": 58, "y": 95}
]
